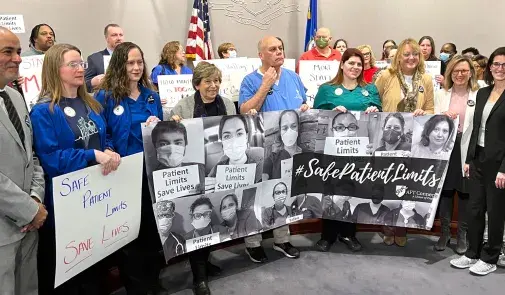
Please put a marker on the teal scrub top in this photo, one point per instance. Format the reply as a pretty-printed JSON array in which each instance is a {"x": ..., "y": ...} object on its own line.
[{"x": 329, "y": 97}]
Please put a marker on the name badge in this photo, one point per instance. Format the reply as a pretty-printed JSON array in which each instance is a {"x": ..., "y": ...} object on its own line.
[
  {"x": 470, "y": 103},
  {"x": 150, "y": 99},
  {"x": 421, "y": 89},
  {"x": 69, "y": 112},
  {"x": 119, "y": 110},
  {"x": 339, "y": 91},
  {"x": 364, "y": 92}
]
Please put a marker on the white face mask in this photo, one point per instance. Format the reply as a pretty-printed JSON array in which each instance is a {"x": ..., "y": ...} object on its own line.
[
  {"x": 170, "y": 155},
  {"x": 164, "y": 225},
  {"x": 229, "y": 214},
  {"x": 232, "y": 53},
  {"x": 200, "y": 223},
  {"x": 235, "y": 148},
  {"x": 408, "y": 205},
  {"x": 289, "y": 137}
]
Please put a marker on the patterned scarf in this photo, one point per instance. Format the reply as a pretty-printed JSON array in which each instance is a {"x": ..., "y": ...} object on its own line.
[{"x": 409, "y": 103}]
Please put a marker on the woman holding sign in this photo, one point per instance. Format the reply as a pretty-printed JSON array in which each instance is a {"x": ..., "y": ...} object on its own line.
[
  {"x": 69, "y": 135},
  {"x": 404, "y": 87},
  {"x": 129, "y": 100},
  {"x": 457, "y": 99},
  {"x": 346, "y": 92},
  {"x": 172, "y": 62}
]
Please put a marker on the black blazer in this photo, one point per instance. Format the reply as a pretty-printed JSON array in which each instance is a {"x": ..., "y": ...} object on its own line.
[
  {"x": 494, "y": 140},
  {"x": 95, "y": 67}
]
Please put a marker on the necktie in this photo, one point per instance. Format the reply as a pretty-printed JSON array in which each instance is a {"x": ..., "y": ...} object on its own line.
[{"x": 13, "y": 115}]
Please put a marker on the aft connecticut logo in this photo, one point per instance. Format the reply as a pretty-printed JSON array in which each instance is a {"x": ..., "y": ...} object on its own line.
[
  {"x": 255, "y": 13},
  {"x": 401, "y": 190}
]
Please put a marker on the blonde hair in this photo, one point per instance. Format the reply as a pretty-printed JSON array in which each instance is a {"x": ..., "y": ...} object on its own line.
[
  {"x": 168, "y": 52},
  {"x": 472, "y": 82},
  {"x": 205, "y": 70},
  {"x": 372, "y": 56},
  {"x": 52, "y": 86},
  {"x": 395, "y": 65}
]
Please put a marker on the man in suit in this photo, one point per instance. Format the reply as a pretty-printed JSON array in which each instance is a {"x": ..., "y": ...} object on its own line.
[
  {"x": 95, "y": 71},
  {"x": 21, "y": 181}
]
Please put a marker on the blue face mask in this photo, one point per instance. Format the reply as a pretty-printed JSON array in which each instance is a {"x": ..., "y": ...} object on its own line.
[{"x": 444, "y": 56}]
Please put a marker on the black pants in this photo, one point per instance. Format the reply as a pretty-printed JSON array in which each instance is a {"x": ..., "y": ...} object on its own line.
[
  {"x": 198, "y": 261},
  {"x": 90, "y": 281},
  {"x": 142, "y": 261},
  {"x": 485, "y": 197},
  {"x": 446, "y": 208},
  {"x": 332, "y": 228}
]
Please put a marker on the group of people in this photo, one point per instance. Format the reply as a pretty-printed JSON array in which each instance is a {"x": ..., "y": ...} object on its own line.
[{"x": 70, "y": 129}]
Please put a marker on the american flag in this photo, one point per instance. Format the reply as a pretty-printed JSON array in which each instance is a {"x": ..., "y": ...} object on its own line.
[{"x": 199, "y": 46}]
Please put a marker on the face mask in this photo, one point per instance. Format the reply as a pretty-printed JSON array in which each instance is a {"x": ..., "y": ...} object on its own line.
[
  {"x": 444, "y": 56},
  {"x": 200, "y": 223},
  {"x": 279, "y": 201},
  {"x": 391, "y": 136},
  {"x": 232, "y": 53},
  {"x": 170, "y": 155},
  {"x": 408, "y": 205},
  {"x": 376, "y": 200},
  {"x": 165, "y": 224},
  {"x": 322, "y": 43},
  {"x": 235, "y": 148},
  {"x": 289, "y": 137},
  {"x": 229, "y": 214}
]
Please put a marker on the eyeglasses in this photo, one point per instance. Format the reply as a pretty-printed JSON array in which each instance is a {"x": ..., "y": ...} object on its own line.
[
  {"x": 366, "y": 54},
  {"x": 282, "y": 192},
  {"x": 199, "y": 215},
  {"x": 409, "y": 54},
  {"x": 497, "y": 65},
  {"x": 342, "y": 128},
  {"x": 75, "y": 65},
  {"x": 462, "y": 72}
]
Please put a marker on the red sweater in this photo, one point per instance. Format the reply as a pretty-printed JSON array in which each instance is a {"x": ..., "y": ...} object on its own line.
[{"x": 368, "y": 74}]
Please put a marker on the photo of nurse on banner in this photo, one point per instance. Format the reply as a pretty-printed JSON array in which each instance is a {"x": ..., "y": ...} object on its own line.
[
  {"x": 287, "y": 133},
  {"x": 394, "y": 136},
  {"x": 434, "y": 137},
  {"x": 174, "y": 158},
  {"x": 233, "y": 151},
  {"x": 346, "y": 134}
]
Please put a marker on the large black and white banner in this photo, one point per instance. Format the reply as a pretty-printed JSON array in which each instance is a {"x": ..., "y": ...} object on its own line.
[{"x": 215, "y": 179}]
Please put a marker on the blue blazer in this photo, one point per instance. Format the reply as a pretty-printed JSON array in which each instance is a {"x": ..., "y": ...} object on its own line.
[
  {"x": 95, "y": 67},
  {"x": 118, "y": 126},
  {"x": 54, "y": 140}
]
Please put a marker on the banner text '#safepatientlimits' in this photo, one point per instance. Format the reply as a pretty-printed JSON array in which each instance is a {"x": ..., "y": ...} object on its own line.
[{"x": 390, "y": 174}]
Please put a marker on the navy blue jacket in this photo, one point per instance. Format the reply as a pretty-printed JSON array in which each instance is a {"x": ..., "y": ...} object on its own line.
[
  {"x": 54, "y": 140},
  {"x": 118, "y": 127},
  {"x": 95, "y": 67}
]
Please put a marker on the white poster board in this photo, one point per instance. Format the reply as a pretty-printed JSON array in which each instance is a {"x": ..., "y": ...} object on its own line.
[
  {"x": 314, "y": 73},
  {"x": 14, "y": 22},
  {"x": 95, "y": 215},
  {"x": 106, "y": 62},
  {"x": 31, "y": 69},
  {"x": 173, "y": 88},
  {"x": 381, "y": 64},
  {"x": 233, "y": 71},
  {"x": 433, "y": 68},
  {"x": 289, "y": 63},
  {"x": 229, "y": 177}
]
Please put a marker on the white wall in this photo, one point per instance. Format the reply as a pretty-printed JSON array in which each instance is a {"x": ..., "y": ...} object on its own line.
[{"x": 152, "y": 23}]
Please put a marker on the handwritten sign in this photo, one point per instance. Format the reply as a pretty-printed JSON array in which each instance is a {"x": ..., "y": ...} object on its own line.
[
  {"x": 381, "y": 64},
  {"x": 314, "y": 73},
  {"x": 433, "y": 68},
  {"x": 15, "y": 23},
  {"x": 176, "y": 182},
  {"x": 95, "y": 215},
  {"x": 174, "y": 88},
  {"x": 31, "y": 69},
  {"x": 346, "y": 146},
  {"x": 289, "y": 63},
  {"x": 286, "y": 168},
  {"x": 233, "y": 71},
  {"x": 230, "y": 177},
  {"x": 106, "y": 62},
  {"x": 202, "y": 242}
]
